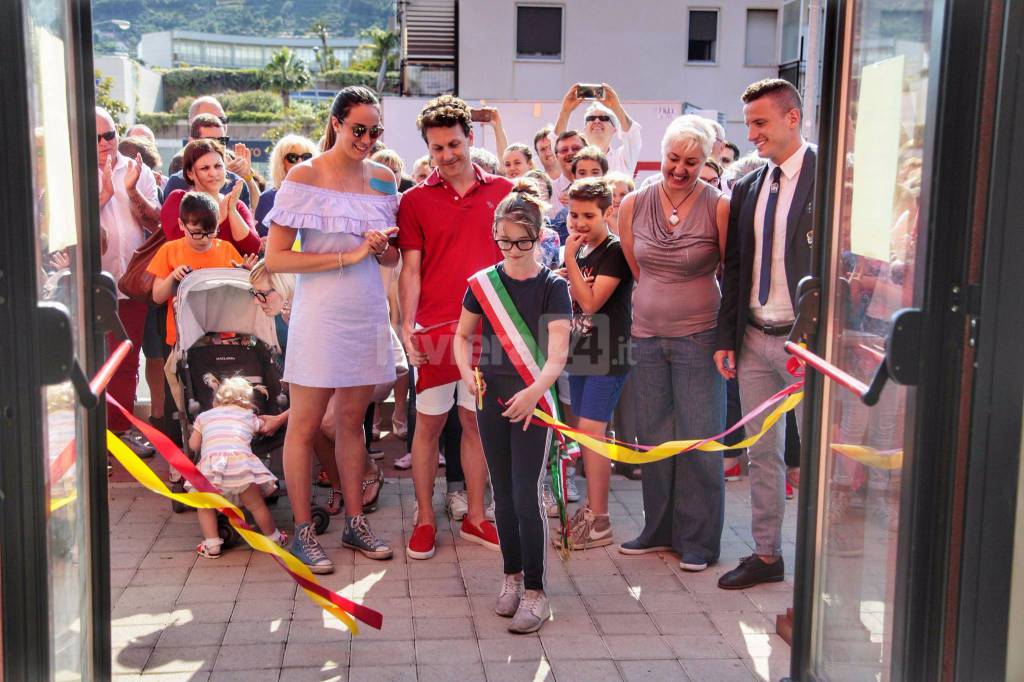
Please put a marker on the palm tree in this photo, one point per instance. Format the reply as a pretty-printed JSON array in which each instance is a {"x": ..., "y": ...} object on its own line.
[
  {"x": 284, "y": 73},
  {"x": 381, "y": 43}
]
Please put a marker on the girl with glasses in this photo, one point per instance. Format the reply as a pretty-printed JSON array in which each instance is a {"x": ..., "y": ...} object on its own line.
[{"x": 518, "y": 298}]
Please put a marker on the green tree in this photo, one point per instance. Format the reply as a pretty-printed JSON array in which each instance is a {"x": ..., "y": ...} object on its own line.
[
  {"x": 115, "y": 107},
  {"x": 381, "y": 43},
  {"x": 285, "y": 72},
  {"x": 326, "y": 58}
]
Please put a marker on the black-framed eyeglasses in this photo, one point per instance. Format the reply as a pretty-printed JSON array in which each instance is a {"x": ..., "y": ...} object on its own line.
[
  {"x": 261, "y": 296},
  {"x": 604, "y": 118},
  {"x": 521, "y": 244},
  {"x": 358, "y": 130},
  {"x": 569, "y": 151},
  {"x": 202, "y": 234},
  {"x": 294, "y": 158},
  {"x": 107, "y": 136}
]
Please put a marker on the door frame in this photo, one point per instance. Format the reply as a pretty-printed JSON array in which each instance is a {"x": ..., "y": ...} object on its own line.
[
  {"x": 23, "y": 548},
  {"x": 930, "y": 508},
  {"x": 992, "y": 481}
]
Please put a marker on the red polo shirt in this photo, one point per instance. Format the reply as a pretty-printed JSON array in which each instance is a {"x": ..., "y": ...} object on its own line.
[{"x": 454, "y": 234}]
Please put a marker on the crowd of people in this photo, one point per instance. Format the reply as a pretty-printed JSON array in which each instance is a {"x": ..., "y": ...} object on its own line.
[{"x": 542, "y": 276}]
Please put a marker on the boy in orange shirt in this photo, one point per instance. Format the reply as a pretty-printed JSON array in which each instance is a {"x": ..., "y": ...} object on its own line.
[{"x": 199, "y": 248}]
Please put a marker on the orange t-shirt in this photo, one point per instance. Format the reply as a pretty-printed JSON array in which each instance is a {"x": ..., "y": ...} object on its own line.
[{"x": 177, "y": 252}]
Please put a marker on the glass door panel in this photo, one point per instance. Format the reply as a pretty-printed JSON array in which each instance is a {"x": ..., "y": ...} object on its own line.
[
  {"x": 59, "y": 264},
  {"x": 883, "y": 121}
]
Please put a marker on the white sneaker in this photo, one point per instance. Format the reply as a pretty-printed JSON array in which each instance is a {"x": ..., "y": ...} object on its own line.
[
  {"x": 404, "y": 462},
  {"x": 550, "y": 505},
  {"x": 457, "y": 505},
  {"x": 534, "y": 609},
  {"x": 510, "y": 596},
  {"x": 571, "y": 493}
]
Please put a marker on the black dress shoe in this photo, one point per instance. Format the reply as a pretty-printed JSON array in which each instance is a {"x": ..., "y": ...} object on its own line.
[{"x": 752, "y": 571}]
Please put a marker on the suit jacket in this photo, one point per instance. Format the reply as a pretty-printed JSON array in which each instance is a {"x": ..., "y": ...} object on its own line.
[{"x": 738, "y": 272}]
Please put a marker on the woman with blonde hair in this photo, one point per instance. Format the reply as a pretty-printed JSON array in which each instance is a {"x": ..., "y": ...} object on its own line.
[{"x": 289, "y": 150}]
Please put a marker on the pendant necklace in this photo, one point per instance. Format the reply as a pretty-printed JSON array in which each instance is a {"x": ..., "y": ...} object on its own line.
[{"x": 673, "y": 219}]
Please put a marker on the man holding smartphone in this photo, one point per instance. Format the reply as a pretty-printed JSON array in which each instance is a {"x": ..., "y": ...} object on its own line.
[{"x": 604, "y": 118}]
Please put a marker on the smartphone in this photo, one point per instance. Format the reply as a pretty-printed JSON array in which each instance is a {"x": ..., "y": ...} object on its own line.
[
  {"x": 480, "y": 115},
  {"x": 589, "y": 91}
]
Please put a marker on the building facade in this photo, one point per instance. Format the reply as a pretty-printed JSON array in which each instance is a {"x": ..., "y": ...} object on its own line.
[
  {"x": 168, "y": 49},
  {"x": 702, "y": 54}
]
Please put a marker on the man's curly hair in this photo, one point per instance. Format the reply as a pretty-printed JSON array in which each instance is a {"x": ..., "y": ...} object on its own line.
[{"x": 444, "y": 112}]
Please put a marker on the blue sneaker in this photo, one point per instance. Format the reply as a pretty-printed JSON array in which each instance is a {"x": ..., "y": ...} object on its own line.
[
  {"x": 308, "y": 550},
  {"x": 359, "y": 536},
  {"x": 692, "y": 562}
]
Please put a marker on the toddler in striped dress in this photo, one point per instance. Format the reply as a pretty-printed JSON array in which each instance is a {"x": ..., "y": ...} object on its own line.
[{"x": 223, "y": 435}]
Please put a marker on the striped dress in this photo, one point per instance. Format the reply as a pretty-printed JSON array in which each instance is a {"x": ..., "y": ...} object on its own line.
[{"x": 226, "y": 457}]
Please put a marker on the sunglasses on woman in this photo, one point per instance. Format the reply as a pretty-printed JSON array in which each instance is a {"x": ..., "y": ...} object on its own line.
[
  {"x": 295, "y": 158},
  {"x": 604, "y": 118},
  {"x": 358, "y": 130},
  {"x": 261, "y": 296},
  {"x": 521, "y": 244},
  {"x": 107, "y": 136}
]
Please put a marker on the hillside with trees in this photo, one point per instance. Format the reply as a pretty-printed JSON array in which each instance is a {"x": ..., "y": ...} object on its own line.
[{"x": 243, "y": 17}]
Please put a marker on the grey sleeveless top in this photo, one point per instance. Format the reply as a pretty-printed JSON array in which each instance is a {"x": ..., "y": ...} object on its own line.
[{"x": 677, "y": 293}]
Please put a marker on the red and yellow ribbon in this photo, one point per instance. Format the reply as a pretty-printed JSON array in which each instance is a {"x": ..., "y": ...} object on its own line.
[{"x": 205, "y": 496}]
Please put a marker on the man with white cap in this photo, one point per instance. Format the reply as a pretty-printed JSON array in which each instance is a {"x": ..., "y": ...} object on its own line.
[{"x": 604, "y": 118}]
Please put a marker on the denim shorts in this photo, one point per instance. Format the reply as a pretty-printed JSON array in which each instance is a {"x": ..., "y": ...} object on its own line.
[
  {"x": 595, "y": 397},
  {"x": 154, "y": 336}
]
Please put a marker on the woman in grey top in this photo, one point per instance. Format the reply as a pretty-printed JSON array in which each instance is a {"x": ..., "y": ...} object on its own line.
[{"x": 673, "y": 235}]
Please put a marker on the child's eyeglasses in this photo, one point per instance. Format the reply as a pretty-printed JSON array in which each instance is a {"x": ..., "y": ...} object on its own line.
[
  {"x": 201, "y": 235},
  {"x": 358, "y": 130},
  {"x": 294, "y": 158},
  {"x": 261, "y": 296},
  {"x": 521, "y": 244}
]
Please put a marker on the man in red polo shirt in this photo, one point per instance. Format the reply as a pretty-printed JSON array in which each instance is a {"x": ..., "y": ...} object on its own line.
[{"x": 445, "y": 236}]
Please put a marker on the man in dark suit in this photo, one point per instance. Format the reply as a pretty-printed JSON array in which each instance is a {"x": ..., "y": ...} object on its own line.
[{"x": 768, "y": 252}]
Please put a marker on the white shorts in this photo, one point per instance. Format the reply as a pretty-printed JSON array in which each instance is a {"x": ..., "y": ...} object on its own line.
[{"x": 439, "y": 399}]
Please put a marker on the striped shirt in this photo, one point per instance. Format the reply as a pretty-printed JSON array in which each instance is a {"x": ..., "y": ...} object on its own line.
[{"x": 227, "y": 428}]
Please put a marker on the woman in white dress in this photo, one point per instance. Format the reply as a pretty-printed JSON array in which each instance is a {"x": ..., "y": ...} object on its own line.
[{"x": 341, "y": 206}]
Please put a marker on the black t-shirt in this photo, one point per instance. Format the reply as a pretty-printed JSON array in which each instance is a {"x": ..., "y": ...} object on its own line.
[
  {"x": 600, "y": 341},
  {"x": 539, "y": 300}
]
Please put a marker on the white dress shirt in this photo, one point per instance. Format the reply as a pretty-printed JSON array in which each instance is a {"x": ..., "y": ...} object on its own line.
[
  {"x": 624, "y": 157},
  {"x": 124, "y": 235},
  {"x": 779, "y": 308}
]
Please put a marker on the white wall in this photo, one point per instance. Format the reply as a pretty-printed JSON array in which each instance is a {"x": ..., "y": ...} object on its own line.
[
  {"x": 139, "y": 87},
  {"x": 156, "y": 50},
  {"x": 637, "y": 47}
]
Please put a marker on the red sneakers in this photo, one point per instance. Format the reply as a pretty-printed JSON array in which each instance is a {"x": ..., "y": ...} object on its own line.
[
  {"x": 789, "y": 491},
  {"x": 485, "y": 534},
  {"x": 733, "y": 473},
  {"x": 421, "y": 543}
]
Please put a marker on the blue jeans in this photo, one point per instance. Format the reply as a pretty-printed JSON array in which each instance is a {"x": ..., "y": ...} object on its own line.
[{"x": 683, "y": 397}]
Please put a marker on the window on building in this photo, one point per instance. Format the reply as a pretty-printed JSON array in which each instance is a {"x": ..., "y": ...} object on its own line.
[
  {"x": 305, "y": 54},
  {"x": 703, "y": 35},
  {"x": 761, "y": 32},
  {"x": 249, "y": 55},
  {"x": 188, "y": 52},
  {"x": 790, "y": 31},
  {"x": 218, "y": 54},
  {"x": 538, "y": 32}
]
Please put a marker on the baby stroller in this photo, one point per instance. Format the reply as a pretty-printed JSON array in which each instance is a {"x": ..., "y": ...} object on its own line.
[{"x": 221, "y": 332}]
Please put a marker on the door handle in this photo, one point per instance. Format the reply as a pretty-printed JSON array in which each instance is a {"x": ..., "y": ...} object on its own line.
[
  {"x": 57, "y": 344},
  {"x": 899, "y": 362}
]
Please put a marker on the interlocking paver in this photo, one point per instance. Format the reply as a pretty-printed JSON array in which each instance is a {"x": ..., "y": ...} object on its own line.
[{"x": 616, "y": 617}]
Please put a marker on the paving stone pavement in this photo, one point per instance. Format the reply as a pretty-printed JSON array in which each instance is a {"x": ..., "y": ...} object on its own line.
[{"x": 179, "y": 617}]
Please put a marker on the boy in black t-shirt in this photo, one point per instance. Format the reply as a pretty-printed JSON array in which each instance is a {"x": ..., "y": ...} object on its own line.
[{"x": 601, "y": 287}]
